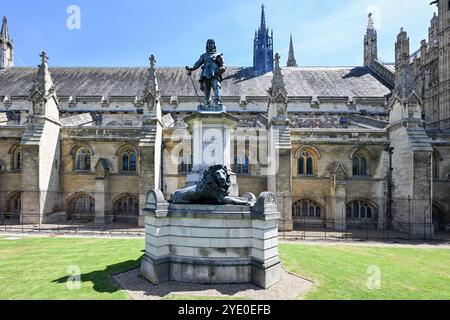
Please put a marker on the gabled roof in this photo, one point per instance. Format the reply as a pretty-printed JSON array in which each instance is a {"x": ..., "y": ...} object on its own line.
[{"x": 238, "y": 82}]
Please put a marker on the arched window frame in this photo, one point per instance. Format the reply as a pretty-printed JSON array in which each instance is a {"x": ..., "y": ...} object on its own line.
[
  {"x": 308, "y": 209},
  {"x": 14, "y": 203},
  {"x": 363, "y": 210},
  {"x": 126, "y": 206},
  {"x": 128, "y": 160},
  {"x": 82, "y": 159},
  {"x": 360, "y": 166},
  {"x": 307, "y": 161},
  {"x": 81, "y": 206},
  {"x": 16, "y": 157},
  {"x": 362, "y": 158}
]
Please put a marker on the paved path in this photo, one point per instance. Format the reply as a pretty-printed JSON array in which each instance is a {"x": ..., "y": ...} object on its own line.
[
  {"x": 404, "y": 244},
  {"x": 291, "y": 287}
]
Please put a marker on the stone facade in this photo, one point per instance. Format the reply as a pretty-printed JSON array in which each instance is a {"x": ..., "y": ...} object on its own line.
[{"x": 92, "y": 142}]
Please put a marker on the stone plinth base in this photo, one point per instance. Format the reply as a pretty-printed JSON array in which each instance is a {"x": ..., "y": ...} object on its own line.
[{"x": 207, "y": 244}]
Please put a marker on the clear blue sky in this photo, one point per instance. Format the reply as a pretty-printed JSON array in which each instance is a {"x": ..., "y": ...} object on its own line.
[{"x": 124, "y": 33}]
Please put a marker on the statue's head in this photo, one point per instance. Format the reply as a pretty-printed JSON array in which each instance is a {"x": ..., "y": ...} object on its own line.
[
  {"x": 216, "y": 180},
  {"x": 211, "y": 46}
]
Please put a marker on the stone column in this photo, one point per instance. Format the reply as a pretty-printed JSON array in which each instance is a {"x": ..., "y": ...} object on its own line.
[
  {"x": 340, "y": 219},
  {"x": 100, "y": 196},
  {"x": 337, "y": 201}
]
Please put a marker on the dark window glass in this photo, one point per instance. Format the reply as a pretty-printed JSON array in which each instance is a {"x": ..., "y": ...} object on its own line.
[
  {"x": 301, "y": 166},
  {"x": 309, "y": 166}
]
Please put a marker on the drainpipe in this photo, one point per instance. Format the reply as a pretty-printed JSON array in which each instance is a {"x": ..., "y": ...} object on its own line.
[{"x": 390, "y": 189}]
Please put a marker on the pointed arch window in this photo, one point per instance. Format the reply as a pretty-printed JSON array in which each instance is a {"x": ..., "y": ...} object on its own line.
[
  {"x": 17, "y": 159},
  {"x": 360, "y": 166},
  {"x": 305, "y": 165},
  {"x": 307, "y": 209},
  {"x": 126, "y": 209},
  {"x": 14, "y": 203},
  {"x": 129, "y": 160},
  {"x": 81, "y": 207},
  {"x": 361, "y": 210},
  {"x": 83, "y": 160},
  {"x": 13, "y": 207}
]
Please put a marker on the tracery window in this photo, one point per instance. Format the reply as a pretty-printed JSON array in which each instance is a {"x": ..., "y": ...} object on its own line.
[
  {"x": 83, "y": 160},
  {"x": 305, "y": 164},
  {"x": 360, "y": 210},
  {"x": 360, "y": 166},
  {"x": 129, "y": 160},
  {"x": 307, "y": 209}
]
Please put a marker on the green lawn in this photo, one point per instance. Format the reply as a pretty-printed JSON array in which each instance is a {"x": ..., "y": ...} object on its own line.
[
  {"x": 37, "y": 268},
  {"x": 341, "y": 272}
]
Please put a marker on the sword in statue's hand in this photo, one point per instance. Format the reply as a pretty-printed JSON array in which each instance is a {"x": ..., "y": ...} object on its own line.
[{"x": 189, "y": 72}]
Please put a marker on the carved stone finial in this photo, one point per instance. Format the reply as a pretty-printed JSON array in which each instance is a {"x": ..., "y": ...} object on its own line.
[
  {"x": 43, "y": 86},
  {"x": 370, "y": 23},
  {"x": 278, "y": 88},
  {"x": 4, "y": 35},
  {"x": 152, "y": 62},
  {"x": 151, "y": 82},
  {"x": 44, "y": 57},
  {"x": 277, "y": 60}
]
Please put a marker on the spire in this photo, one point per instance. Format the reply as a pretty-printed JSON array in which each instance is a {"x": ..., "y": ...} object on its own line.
[
  {"x": 291, "y": 58},
  {"x": 4, "y": 32},
  {"x": 404, "y": 81},
  {"x": 263, "y": 18},
  {"x": 6, "y": 47},
  {"x": 370, "y": 42},
  {"x": 263, "y": 47},
  {"x": 43, "y": 87}
]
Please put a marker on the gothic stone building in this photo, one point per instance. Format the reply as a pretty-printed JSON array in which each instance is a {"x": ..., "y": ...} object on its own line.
[{"x": 89, "y": 143}]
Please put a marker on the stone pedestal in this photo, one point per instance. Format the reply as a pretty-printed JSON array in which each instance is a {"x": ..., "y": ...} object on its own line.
[
  {"x": 211, "y": 132},
  {"x": 209, "y": 244}
]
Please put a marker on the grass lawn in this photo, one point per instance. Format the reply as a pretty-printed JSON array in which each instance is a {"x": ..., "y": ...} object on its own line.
[
  {"x": 37, "y": 268},
  {"x": 341, "y": 272}
]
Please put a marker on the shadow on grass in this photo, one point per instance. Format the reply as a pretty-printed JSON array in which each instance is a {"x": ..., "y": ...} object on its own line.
[
  {"x": 127, "y": 277},
  {"x": 102, "y": 279}
]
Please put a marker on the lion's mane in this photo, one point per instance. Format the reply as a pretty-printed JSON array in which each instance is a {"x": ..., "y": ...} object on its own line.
[{"x": 209, "y": 186}]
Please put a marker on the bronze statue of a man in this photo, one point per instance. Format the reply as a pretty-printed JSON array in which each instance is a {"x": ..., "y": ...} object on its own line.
[{"x": 213, "y": 68}]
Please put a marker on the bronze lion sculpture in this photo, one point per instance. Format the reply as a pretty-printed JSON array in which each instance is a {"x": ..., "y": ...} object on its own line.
[{"x": 212, "y": 189}]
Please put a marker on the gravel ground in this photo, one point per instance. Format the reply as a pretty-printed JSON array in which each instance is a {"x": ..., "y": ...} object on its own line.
[{"x": 291, "y": 287}]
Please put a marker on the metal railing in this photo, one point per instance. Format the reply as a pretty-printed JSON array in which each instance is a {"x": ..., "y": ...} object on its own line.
[{"x": 321, "y": 218}]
